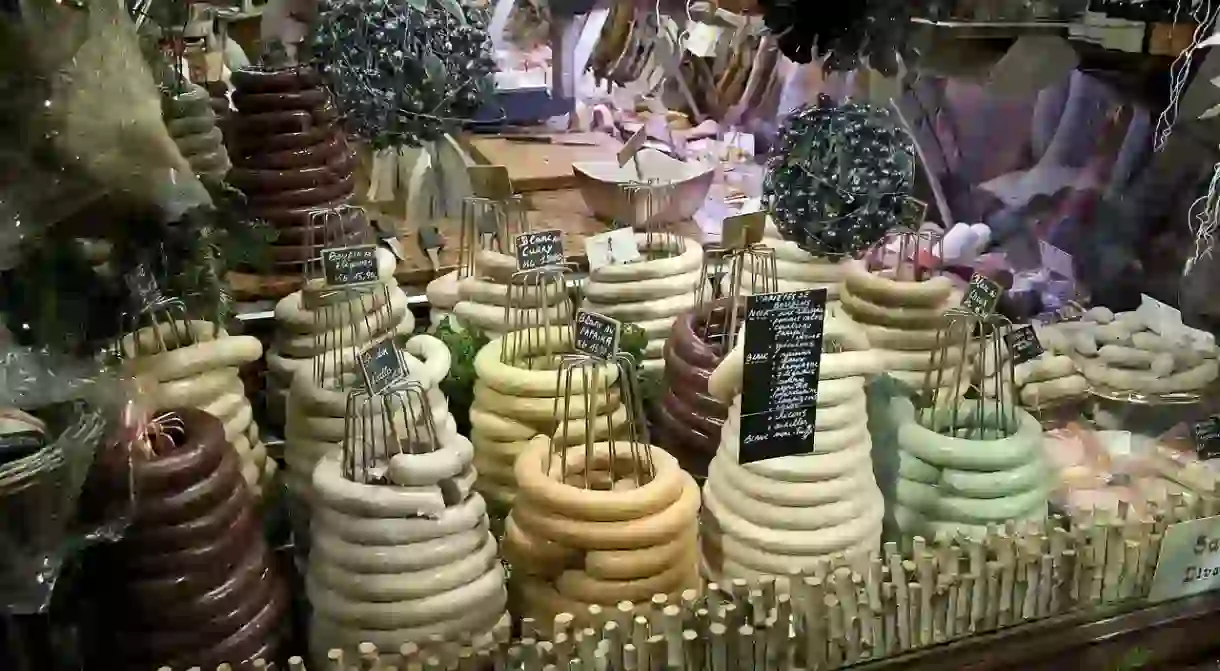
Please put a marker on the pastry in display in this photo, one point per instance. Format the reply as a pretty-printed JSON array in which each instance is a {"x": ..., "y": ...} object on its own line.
[
  {"x": 408, "y": 555},
  {"x": 651, "y": 292},
  {"x": 195, "y": 365},
  {"x": 317, "y": 425},
  {"x": 773, "y": 516},
  {"x": 516, "y": 398},
  {"x": 1135, "y": 352},
  {"x": 600, "y": 525},
  {"x": 492, "y": 302},
  {"x": 290, "y": 158},
  {"x": 962, "y": 468},
  {"x": 316, "y": 321},
  {"x": 687, "y": 418},
  {"x": 901, "y": 319},
  {"x": 193, "y": 579},
  {"x": 192, "y": 124}
]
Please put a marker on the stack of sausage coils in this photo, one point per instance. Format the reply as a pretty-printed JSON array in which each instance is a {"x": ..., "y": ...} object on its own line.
[
  {"x": 290, "y": 158},
  {"x": 192, "y": 577}
]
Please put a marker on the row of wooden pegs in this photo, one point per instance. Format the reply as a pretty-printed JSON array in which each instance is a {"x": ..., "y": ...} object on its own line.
[{"x": 848, "y": 609}]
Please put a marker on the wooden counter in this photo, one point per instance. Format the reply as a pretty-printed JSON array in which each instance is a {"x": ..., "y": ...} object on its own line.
[{"x": 562, "y": 209}]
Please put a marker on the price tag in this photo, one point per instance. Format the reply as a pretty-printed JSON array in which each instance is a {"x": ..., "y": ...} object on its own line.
[
  {"x": 1189, "y": 562},
  {"x": 982, "y": 295},
  {"x": 610, "y": 248},
  {"x": 783, "y": 351},
  {"x": 143, "y": 286},
  {"x": 742, "y": 230},
  {"x": 1023, "y": 343},
  {"x": 1056, "y": 261},
  {"x": 1166, "y": 320},
  {"x": 350, "y": 266},
  {"x": 382, "y": 366},
  {"x": 539, "y": 249},
  {"x": 633, "y": 146},
  {"x": 1206, "y": 435},
  {"x": 490, "y": 182},
  {"x": 596, "y": 335}
]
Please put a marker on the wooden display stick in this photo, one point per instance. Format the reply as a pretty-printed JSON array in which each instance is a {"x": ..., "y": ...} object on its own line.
[
  {"x": 659, "y": 602},
  {"x": 656, "y": 652},
  {"x": 889, "y": 626},
  {"x": 586, "y": 645},
  {"x": 295, "y": 663},
  {"x": 1151, "y": 556},
  {"x": 915, "y": 592},
  {"x": 561, "y": 624},
  {"x": 434, "y": 663},
  {"x": 529, "y": 628},
  {"x": 739, "y": 590},
  {"x": 612, "y": 637},
  {"x": 759, "y": 646},
  {"x": 717, "y": 633},
  {"x": 836, "y": 642},
  {"x": 940, "y": 609},
  {"x": 563, "y": 650},
  {"x": 991, "y": 611},
  {"x": 965, "y": 604},
  {"x": 1097, "y": 542},
  {"x": 631, "y": 660},
  {"x": 745, "y": 647},
  {"x": 639, "y": 638},
  {"x": 1046, "y": 585},
  {"x": 1113, "y": 574},
  {"x": 1131, "y": 569},
  {"x": 597, "y": 618},
  {"x": 369, "y": 659},
  {"x": 815, "y": 620},
  {"x": 978, "y": 594},
  {"x": 672, "y": 630},
  {"x": 1006, "y": 555},
  {"x": 334, "y": 658},
  {"x": 713, "y": 598},
  {"x": 624, "y": 613},
  {"x": 731, "y": 616},
  {"x": 898, "y": 577},
  {"x": 690, "y": 604},
  {"x": 927, "y": 587},
  {"x": 758, "y": 609},
  {"x": 1070, "y": 561},
  {"x": 692, "y": 657},
  {"x": 951, "y": 598}
]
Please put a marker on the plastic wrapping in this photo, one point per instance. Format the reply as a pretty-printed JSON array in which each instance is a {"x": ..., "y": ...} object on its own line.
[
  {"x": 46, "y": 449},
  {"x": 82, "y": 123}
]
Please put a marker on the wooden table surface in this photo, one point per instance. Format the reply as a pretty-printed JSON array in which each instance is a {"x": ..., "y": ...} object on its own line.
[{"x": 563, "y": 209}]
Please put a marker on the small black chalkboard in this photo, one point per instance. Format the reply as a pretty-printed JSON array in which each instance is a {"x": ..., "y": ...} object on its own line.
[
  {"x": 982, "y": 295},
  {"x": 382, "y": 366},
  {"x": 540, "y": 249},
  {"x": 1206, "y": 435},
  {"x": 349, "y": 266},
  {"x": 1023, "y": 343},
  {"x": 783, "y": 351},
  {"x": 143, "y": 286},
  {"x": 430, "y": 238},
  {"x": 595, "y": 335}
]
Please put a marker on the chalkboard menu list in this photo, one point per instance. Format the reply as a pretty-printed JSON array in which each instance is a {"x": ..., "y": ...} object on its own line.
[
  {"x": 540, "y": 249},
  {"x": 782, "y": 354},
  {"x": 982, "y": 295},
  {"x": 595, "y": 335},
  {"x": 382, "y": 366},
  {"x": 1023, "y": 342},
  {"x": 349, "y": 266},
  {"x": 1206, "y": 435}
]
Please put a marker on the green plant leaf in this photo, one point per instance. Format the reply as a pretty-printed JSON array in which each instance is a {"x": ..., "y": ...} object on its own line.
[{"x": 454, "y": 10}]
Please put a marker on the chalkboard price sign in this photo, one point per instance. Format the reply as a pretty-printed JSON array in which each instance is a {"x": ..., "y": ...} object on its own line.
[
  {"x": 382, "y": 366},
  {"x": 982, "y": 295},
  {"x": 595, "y": 335},
  {"x": 540, "y": 249},
  {"x": 782, "y": 354},
  {"x": 1206, "y": 435},
  {"x": 350, "y": 266},
  {"x": 1023, "y": 343}
]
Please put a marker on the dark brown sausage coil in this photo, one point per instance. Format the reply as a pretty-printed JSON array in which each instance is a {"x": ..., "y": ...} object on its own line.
[
  {"x": 290, "y": 157},
  {"x": 192, "y": 582},
  {"x": 689, "y": 419}
]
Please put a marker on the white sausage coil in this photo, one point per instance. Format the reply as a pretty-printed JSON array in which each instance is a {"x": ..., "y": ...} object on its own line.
[
  {"x": 314, "y": 321},
  {"x": 484, "y": 297},
  {"x": 651, "y": 292},
  {"x": 203, "y": 373},
  {"x": 769, "y": 517},
  {"x": 408, "y": 559}
]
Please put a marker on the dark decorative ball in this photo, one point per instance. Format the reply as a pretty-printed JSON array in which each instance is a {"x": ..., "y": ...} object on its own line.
[
  {"x": 844, "y": 34},
  {"x": 840, "y": 177},
  {"x": 404, "y": 72}
]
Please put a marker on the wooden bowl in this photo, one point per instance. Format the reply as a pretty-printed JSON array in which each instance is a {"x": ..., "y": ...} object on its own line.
[{"x": 677, "y": 189}]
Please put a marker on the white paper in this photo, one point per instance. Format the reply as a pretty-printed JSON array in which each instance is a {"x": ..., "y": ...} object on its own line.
[
  {"x": 1056, "y": 260},
  {"x": 703, "y": 39},
  {"x": 1165, "y": 320},
  {"x": 614, "y": 247}
]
